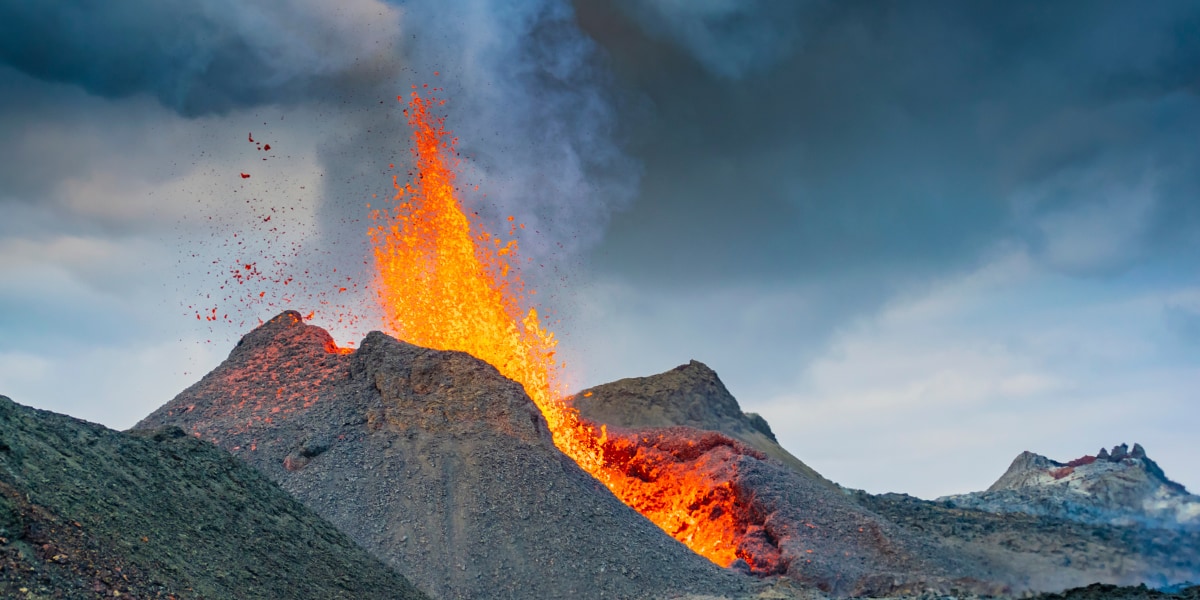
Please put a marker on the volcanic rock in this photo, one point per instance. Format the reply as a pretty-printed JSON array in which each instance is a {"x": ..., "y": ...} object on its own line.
[
  {"x": 436, "y": 464},
  {"x": 689, "y": 395},
  {"x": 1120, "y": 487},
  {"x": 910, "y": 544},
  {"x": 797, "y": 523},
  {"x": 87, "y": 512}
]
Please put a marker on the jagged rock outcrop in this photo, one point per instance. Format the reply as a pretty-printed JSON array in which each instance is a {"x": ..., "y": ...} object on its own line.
[
  {"x": 1120, "y": 486},
  {"x": 1025, "y": 465},
  {"x": 690, "y": 395},
  {"x": 436, "y": 464},
  {"x": 87, "y": 512}
]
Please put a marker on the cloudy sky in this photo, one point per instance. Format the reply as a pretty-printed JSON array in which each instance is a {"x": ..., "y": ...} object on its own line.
[{"x": 918, "y": 237}]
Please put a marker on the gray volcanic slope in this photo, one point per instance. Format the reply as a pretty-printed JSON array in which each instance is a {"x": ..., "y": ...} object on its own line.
[
  {"x": 88, "y": 512},
  {"x": 436, "y": 464}
]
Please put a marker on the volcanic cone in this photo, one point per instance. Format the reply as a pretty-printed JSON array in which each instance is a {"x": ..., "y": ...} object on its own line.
[{"x": 436, "y": 464}]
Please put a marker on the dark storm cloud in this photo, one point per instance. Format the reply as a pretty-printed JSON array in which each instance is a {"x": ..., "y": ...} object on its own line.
[
  {"x": 904, "y": 137},
  {"x": 201, "y": 57},
  {"x": 729, "y": 37}
]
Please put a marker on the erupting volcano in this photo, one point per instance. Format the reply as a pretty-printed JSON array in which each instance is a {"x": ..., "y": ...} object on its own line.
[
  {"x": 448, "y": 450},
  {"x": 444, "y": 282}
]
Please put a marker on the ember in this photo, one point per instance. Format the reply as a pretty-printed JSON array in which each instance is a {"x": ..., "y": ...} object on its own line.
[{"x": 444, "y": 282}]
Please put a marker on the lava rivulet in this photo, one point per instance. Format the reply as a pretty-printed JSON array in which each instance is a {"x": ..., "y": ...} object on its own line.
[{"x": 444, "y": 282}]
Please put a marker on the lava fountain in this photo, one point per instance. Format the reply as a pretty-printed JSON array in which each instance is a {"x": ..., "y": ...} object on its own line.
[{"x": 444, "y": 282}]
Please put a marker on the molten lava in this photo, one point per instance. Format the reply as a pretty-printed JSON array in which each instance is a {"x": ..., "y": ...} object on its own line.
[{"x": 444, "y": 282}]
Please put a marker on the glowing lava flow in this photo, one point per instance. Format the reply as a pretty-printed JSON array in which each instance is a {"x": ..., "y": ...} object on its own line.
[{"x": 445, "y": 283}]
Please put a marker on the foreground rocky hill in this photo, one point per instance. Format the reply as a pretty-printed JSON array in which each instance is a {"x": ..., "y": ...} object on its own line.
[
  {"x": 87, "y": 512},
  {"x": 437, "y": 465},
  {"x": 1121, "y": 487}
]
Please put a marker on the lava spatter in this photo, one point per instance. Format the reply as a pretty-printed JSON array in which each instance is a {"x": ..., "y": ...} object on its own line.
[{"x": 264, "y": 253}]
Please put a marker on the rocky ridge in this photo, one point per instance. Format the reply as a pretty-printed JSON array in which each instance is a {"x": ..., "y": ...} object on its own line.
[
  {"x": 88, "y": 512},
  {"x": 1118, "y": 487}
]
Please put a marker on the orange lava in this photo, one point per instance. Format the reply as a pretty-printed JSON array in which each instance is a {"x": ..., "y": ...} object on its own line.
[{"x": 444, "y": 282}]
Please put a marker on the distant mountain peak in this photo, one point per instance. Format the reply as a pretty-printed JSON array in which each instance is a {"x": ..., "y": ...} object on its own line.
[
  {"x": 1030, "y": 469},
  {"x": 1120, "y": 485}
]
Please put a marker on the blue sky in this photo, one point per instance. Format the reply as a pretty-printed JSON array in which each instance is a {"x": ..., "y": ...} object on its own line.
[{"x": 919, "y": 238}]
